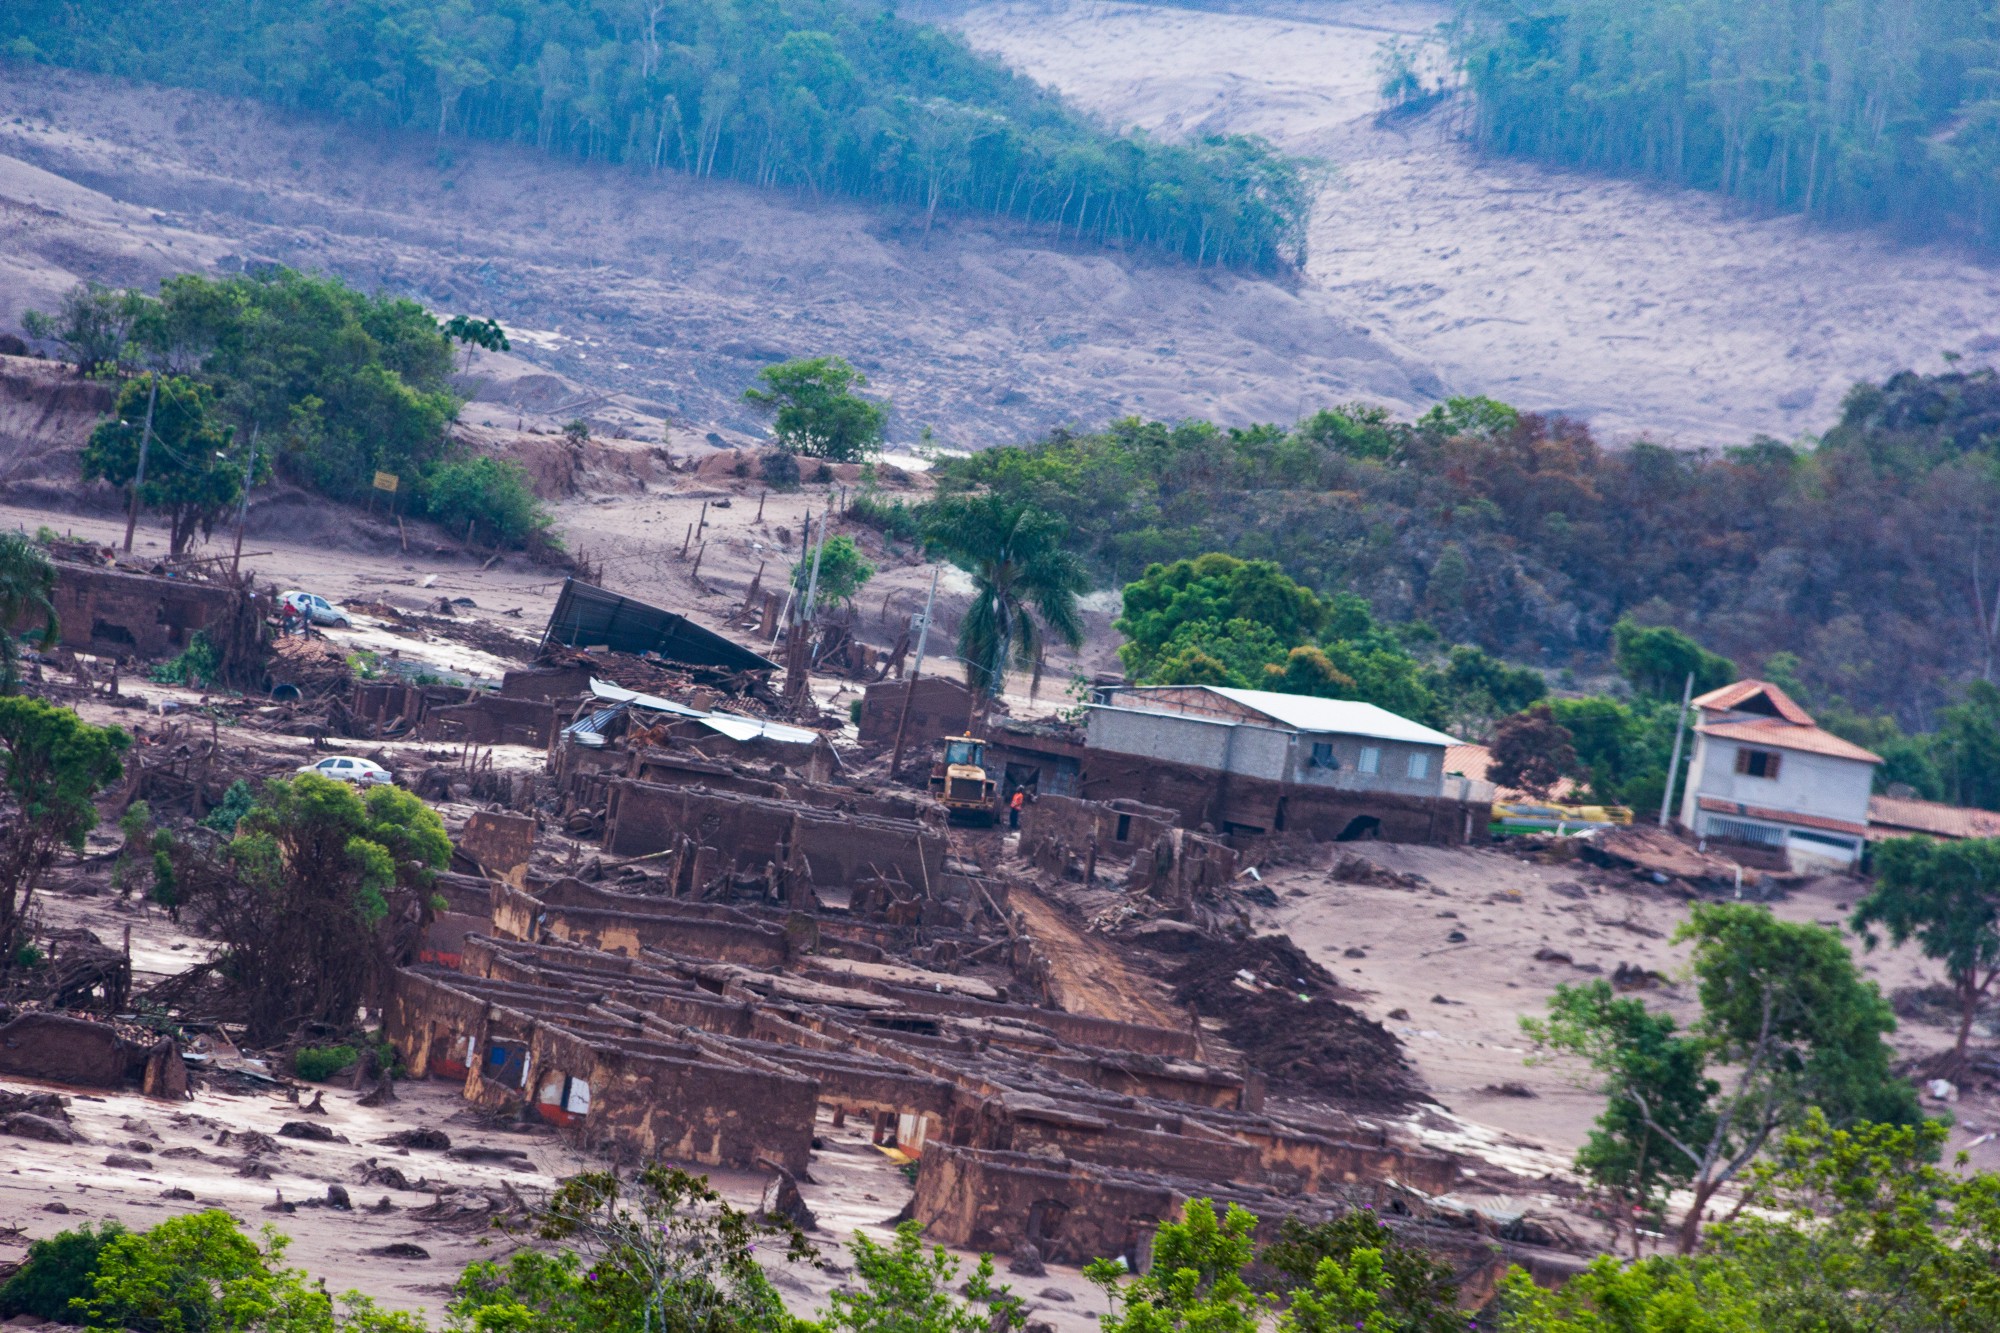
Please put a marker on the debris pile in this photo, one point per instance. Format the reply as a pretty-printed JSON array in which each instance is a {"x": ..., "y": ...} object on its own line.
[{"x": 1285, "y": 1013}]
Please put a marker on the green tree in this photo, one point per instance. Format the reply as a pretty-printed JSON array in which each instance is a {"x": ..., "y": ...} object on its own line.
[
  {"x": 843, "y": 571},
  {"x": 1025, "y": 582},
  {"x": 1966, "y": 747},
  {"x": 1657, "y": 661},
  {"x": 1657, "y": 1089},
  {"x": 192, "y": 474},
  {"x": 1946, "y": 896},
  {"x": 1476, "y": 686},
  {"x": 1195, "y": 1284},
  {"x": 1246, "y": 654},
  {"x": 1402, "y": 1288},
  {"x": 666, "y": 1255},
  {"x": 472, "y": 332},
  {"x": 198, "y": 1274},
  {"x": 338, "y": 385},
  {"x": 319, "y": 896},
  {"x": 905, "y": 1287},
  {"x": 27, "y": 598},
  {"x": 494, "y": 493},
  {"x": 56, "y": 763},
  {"x": 1861, "y": 1228},
  {"x": 58, "y": 1270},
  {"x": 1784, "y": 1012},
  {"x": 1214, "y": 589},
  {"x": 816, "y": 412},
  {"x": 1477, "y": 415},
  {"x": 91, "y": 325},
  {"x": 1655, "y": 1296},
  {"x": 1532, "y": 752}
]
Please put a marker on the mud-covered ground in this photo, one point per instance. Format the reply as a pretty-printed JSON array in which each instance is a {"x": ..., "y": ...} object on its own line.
[
  {"x": 670, "y": 291},
  {"x": 1640, "y": 309}
]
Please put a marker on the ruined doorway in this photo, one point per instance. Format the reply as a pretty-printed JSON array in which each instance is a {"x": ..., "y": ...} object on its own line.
[
  {"x": 1045, "y": 1219},
  {"x": 1361, "y": 828}
]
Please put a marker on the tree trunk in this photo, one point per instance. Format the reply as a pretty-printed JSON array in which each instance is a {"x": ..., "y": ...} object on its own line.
[
  {"x": 1968, "y": 1005},
  {"x": 1691, "y": 1224}
]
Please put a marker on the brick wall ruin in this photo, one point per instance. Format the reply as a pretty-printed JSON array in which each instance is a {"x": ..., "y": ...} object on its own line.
[
  {"x": 116, "y": 613},
  {"x": 1230, "y": 802}
]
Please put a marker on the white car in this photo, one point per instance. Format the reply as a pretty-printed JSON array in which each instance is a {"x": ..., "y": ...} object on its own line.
[
  {"x": 346, "y": 768},
  {"x": 315, "y": 608}
]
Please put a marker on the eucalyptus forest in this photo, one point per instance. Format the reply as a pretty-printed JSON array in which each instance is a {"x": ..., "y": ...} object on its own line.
[
  {"x": 814, "y": 96},
  {"x": 1847, "y": 110}
]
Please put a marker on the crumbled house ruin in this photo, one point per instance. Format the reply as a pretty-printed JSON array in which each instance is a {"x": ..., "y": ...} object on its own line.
[{"x": 760, "y": 942}]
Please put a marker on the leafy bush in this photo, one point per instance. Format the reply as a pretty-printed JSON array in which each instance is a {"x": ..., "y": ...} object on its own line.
[
  {"x": 843, "y": 570},
  {"x": 199, "y": 1274},
  {"x": 780, "y": 470},
  {"x": 489, "y": 493},
  {"x": 664, "y": 1254},
  {"x": 316, "y": 1064},
  {"x": 905, "y": 1285},
  {"x": 194, "y": 666},
  {"x": 892, "y": 518},
  {"x": 57, "y": 1271},
  {"x": 236, "y": 803}
]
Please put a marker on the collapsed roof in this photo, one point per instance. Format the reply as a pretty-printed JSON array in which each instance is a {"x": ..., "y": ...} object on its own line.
[{"x": 587, "y": 616}]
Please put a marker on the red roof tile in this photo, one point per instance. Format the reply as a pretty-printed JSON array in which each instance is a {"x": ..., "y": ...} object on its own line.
[
  {"x": 1722, "y": 807},
  {"x": 1732, "y": 697},
  {"x": 1897, "y": 816},
  {"x": 1788, "y": 736}
]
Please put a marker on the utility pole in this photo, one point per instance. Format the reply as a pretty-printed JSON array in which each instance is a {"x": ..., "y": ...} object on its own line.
[
  {"x": 1674, "y": 764},
  {"x": 812, "y": 580},
  {"x": 799, "y": 649},
  {"x": 243, "y": 514},
  {"x": 145, "y": 438},
  {"x": 910, "y": 685}
]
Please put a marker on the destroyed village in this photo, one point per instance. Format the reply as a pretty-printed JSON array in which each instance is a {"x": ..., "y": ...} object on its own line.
[{"x": 984, "y": 667}]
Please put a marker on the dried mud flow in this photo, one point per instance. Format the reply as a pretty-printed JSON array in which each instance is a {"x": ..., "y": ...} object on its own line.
[
  {"x": 1285, "y": 1012},
  {"x": 666, "y": 292},
  {"x": 1639, "y": 309}
]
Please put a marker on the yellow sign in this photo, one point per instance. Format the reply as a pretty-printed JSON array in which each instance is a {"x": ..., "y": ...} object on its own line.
[{"x": 385, "y": 481}]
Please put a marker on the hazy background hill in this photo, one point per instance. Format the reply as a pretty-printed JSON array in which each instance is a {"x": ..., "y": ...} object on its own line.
[
  {"x": 1431, "y": 267},
  {"x": 1638, "y": 306}
]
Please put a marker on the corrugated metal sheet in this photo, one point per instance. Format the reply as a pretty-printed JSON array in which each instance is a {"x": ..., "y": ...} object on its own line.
[{"x": 588, "y": 616}]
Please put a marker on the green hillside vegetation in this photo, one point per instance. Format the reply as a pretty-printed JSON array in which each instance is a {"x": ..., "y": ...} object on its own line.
[
  {"x": 293, "y": 373},
  {"x": 1870, "y": 556},
  {"x": 815, "y": 96},
  {"x": 1848, "y": 110}
]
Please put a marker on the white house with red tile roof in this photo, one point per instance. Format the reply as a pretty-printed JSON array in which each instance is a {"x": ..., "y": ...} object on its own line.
[{"x": 1765, "y": 775}]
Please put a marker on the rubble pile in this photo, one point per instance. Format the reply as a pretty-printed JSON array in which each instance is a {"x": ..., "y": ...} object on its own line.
[
  {"x": 1285, "y": 1013},
  {"x": 754, "y": 946}
]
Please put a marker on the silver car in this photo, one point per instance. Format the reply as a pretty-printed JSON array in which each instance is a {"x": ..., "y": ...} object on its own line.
[
  {"x": 315, "y": 608},
  {"x": 346, "y": 768}
]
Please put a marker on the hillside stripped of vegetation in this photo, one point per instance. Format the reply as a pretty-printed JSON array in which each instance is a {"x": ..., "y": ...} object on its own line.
[{"x": 810, "y": 95}]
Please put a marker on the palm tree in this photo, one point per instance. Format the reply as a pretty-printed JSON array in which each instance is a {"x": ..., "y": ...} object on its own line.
[
  {"x": 27, "y": 589},
  {"x": 1025, "y": 582}
]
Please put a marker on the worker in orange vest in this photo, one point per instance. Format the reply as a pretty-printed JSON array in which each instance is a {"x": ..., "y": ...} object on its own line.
[{"x": 1014, "y": 807}]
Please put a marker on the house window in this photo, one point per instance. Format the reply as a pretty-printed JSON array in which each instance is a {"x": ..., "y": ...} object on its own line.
[
  {"x": 1757, "y": 763},
  {"x": 1371, "y": 759},
  {"x": 1323, "y": 756},
  {"x": 1420, "y": 765}
]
